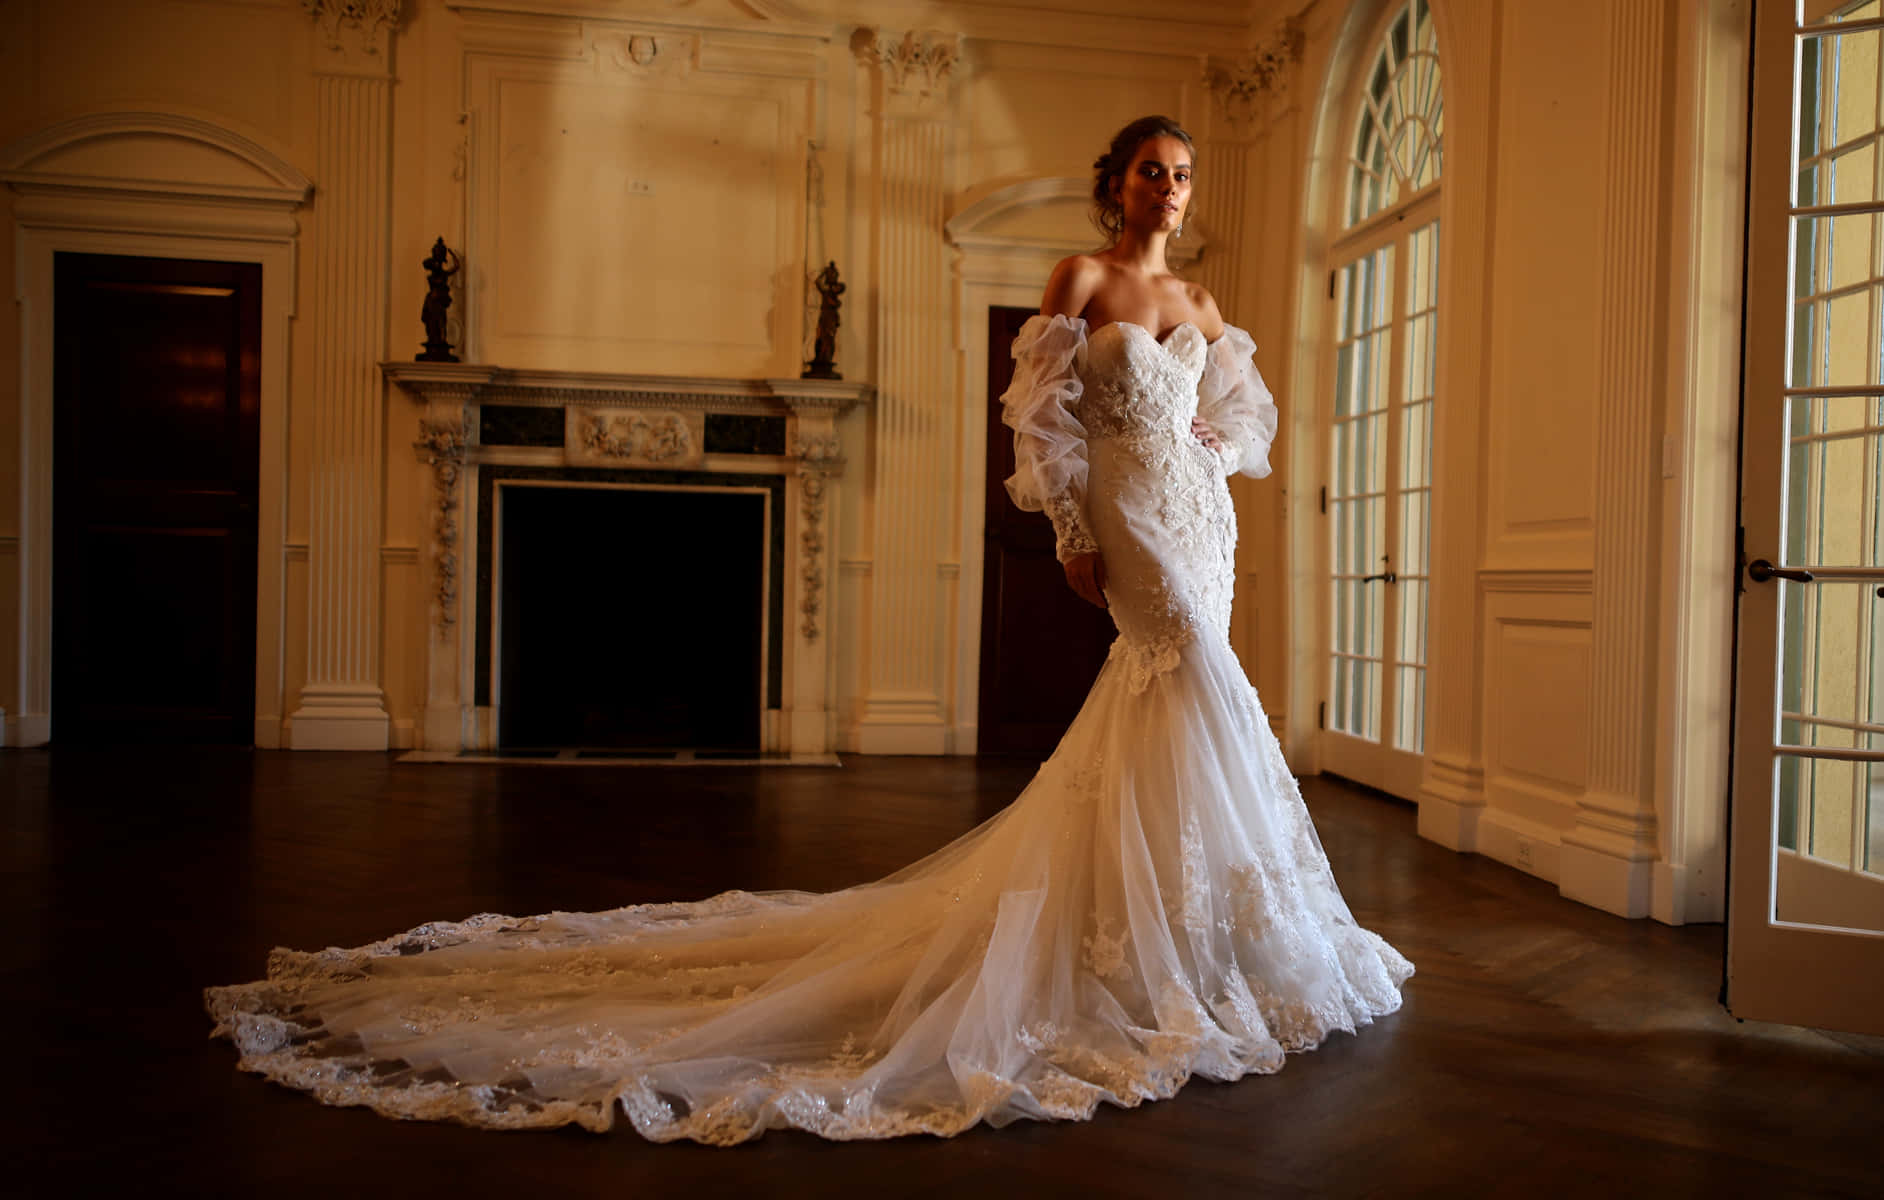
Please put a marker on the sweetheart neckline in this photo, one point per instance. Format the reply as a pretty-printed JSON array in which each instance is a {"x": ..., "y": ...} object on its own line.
[{"x": 1160, "y": 341}]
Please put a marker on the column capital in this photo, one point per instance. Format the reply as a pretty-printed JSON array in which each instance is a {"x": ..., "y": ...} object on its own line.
[
  {"x": 917, "y": 65},
  {"x": 1253, "y": 89},
  {"x": 355, "y": 36}
]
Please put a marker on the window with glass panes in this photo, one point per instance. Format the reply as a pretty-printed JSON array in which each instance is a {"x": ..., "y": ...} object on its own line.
[
  {"x": 1830, "y": 806},
  {"x": 1385, "y": 288}
]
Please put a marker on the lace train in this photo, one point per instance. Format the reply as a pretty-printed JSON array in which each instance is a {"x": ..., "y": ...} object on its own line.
[{"x": 1155, "y": 905}]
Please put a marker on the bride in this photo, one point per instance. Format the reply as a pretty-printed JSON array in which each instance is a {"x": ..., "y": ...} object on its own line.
[{"x": 1155, "y": 905}]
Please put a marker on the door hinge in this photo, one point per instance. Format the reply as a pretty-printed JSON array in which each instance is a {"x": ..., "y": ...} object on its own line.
[
  {"x": 1321, "y": 715},
  {"x": 1324, "y": 498},
  {"x": 1331, "y": 279}
]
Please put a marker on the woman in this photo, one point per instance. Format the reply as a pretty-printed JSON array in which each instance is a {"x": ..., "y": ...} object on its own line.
[{"x": 1154, "y": 905}]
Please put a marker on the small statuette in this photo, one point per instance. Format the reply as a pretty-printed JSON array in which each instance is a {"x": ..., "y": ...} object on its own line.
[
  {"x": 824, "y": 348},
  {"x": 439, "y": 269}
]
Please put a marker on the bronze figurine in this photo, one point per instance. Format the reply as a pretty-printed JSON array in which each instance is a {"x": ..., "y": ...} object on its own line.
[
  {"x": 439, "y": 269},
  {"x": 824, "y": 347}
]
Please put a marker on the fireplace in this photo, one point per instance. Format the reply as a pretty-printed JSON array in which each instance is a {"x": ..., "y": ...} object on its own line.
[
  {"x": 632, "y": 565},
  {"x": 632, "y": 616}
]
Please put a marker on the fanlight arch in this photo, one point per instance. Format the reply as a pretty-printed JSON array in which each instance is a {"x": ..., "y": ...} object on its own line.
[{"x": 1399, "y": 129}]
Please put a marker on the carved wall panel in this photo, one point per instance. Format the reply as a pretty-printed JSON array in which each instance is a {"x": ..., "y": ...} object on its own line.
[
  {"x": 631, "y": 208},
  {"x": 1547, "y": 288}
]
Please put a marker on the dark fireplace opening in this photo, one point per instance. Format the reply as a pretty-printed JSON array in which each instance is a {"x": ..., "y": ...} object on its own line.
[{"x": 631, "y": 618}]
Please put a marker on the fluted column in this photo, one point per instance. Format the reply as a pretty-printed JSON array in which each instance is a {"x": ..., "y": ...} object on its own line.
[
  {"x": 1452, "y": 787},
  {"x": 342, "y": 706},
  {"x": 1607, "y": 857},
  {"x": 904, "y": 709}
]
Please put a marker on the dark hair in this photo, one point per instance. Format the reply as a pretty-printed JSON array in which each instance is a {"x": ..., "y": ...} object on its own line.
[{"x": 1107, "y": 213}]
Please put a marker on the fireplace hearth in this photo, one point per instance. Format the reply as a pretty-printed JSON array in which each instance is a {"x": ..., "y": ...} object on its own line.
[{"x": 631, "y": 616}]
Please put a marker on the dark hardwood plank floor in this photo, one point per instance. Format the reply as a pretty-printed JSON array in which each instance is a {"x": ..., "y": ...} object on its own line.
[{"x": 1545, "y": 1048}]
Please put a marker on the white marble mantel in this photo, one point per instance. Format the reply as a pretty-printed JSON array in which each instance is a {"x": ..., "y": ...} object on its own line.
[{"x": 626, "y": 422}]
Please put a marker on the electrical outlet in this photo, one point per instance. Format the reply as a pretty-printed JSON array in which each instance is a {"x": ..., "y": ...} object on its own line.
[{"x": 1526, "y": 856}]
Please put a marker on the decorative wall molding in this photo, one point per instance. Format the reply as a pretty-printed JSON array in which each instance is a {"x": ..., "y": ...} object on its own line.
[
  {"x": 230, "y": 196},
  {"x": 78, "y": 155},
  {"x": 617, "y": 77},
  {"x": 1567, "y": 582},
  {"x": 1258, "y": 87},
  {"x": 991, "y": 253}
]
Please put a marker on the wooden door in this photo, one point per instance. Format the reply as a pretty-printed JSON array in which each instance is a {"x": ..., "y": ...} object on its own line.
[
  {"x": 1041, "y": 645},
  {"x": 156, "y": 451}
]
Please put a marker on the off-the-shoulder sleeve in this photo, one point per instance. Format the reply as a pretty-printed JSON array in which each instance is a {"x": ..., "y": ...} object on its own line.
[
  {"x": 1049, "y": 441},
  {"x": 1236, "y": 404}
]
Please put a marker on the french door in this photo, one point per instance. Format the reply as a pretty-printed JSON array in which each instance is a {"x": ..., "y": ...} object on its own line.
[
  {"x": 1805, "y": 932},
  {"x": 1377, "y": 504}
]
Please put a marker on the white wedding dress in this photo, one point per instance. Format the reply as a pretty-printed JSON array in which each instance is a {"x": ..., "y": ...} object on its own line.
[{"x": 1155, "y": 904}]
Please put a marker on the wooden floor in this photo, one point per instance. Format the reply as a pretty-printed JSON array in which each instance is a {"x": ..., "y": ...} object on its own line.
[{"x": 1544, "y": 1049}]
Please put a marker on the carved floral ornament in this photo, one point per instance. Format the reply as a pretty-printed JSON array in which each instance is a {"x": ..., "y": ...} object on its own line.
[
  {"x": 1245, "y": 86},
  {"x": 441, "y": 445},
  {"x": 368, "y": 16},
  {"x": 918, "y": 64},
  {"x": 820, "y": 456},
  {"x": 654, "y": 438}
]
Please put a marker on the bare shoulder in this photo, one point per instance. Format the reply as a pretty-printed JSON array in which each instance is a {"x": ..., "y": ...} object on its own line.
[
  {"x": 1072, "y": 285},
  {"x": 1209, "y": 321}
]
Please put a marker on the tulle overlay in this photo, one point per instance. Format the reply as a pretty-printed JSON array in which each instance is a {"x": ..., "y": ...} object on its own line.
[{"x": 1155, "y": 905}]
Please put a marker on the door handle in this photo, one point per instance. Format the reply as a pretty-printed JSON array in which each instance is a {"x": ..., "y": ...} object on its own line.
[
  {"x": 1761, "y": 571},
  {"x": 1389, "y": 576}
]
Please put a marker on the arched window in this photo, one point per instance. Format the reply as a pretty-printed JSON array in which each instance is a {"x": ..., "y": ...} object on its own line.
[{"x": 1383, "y": 283}]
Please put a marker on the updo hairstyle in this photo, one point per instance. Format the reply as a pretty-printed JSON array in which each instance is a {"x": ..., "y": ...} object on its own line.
[{"x": 1107, "y": 212}]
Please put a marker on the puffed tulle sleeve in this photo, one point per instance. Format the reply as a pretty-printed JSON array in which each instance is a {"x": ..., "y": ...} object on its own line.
[
  {"x": 1236, "y": 404},
  {"x": 1049, "y": 442}
]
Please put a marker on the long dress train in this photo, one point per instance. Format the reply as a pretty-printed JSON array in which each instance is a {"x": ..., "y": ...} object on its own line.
[{"x": 1154, "y": 905}]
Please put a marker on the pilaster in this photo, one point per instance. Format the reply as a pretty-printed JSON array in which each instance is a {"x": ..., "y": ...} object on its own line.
[
  {"x": 904, "y": 708},
  {"x": 1608, "y": 856},
  {"x": 342, "y": 706},
  {"x": 1452, "y": 788}
]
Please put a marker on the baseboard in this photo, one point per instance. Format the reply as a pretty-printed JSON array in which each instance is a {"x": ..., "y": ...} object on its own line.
[
  {"x": 1615, "y": 885},
  {"x": 1525, "y": 845},
  {"x": 1451, "y": 824},
  {"x": 884, "y": 738},
  {"x": 29, "y": 729},
  {"x": 1684, "y": 894}
]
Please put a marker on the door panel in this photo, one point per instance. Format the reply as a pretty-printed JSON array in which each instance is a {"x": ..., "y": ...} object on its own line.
[
  {"x": 1805, "y": 932},
  {"x": 1041, "y": 645},
  {"x": 156, "y": 452}
]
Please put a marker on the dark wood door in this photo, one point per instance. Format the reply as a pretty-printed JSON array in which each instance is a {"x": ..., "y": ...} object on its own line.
[
  {"x": 1041, "y": 645},
  {"x": 156, "y": 451}
]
